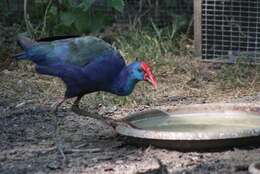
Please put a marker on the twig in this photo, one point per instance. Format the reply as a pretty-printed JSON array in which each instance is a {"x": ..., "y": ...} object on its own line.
[
  {"x": 189, "y": 27},
  {"x": 8, "y": 4},
  {"x": 45, "y": 18},
  {"x": 27, "y": 22},
  {"x": 82, "y": 150}
]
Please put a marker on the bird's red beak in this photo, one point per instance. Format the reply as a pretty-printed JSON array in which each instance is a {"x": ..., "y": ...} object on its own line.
[{"x": 148, "y": 75}]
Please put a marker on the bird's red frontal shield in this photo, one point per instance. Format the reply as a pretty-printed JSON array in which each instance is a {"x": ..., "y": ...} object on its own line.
[{"x": 148, "y": 75}]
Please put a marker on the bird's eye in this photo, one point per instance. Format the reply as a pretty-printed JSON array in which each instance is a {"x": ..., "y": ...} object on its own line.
[{"x": 139, "y": 70}]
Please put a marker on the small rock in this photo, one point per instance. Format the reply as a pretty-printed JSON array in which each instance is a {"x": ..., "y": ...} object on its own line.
[
  {"x": 134, "y": 158},
  {"x": 53, "y": 165},
  {"x": 95, "y": 160},
  {"x": 20, "y": 105},
  {"x": 107, "y": 110},
  {"x": 194, "y": 158},
  {"x": 3, "y": 158},
  {"x": 119, "y": 162},
  {"x": 101, "y": 158},
  {"x": 40, "y": 172},
  {"x": 6, "y": 71},
  {"x": 152, "y": 166},
  {"x": 70, "y": 165},
  {"x": 185, "y": 172},
  {"x": 112, "y": 109},
  {"x": 20, "y": 83}
]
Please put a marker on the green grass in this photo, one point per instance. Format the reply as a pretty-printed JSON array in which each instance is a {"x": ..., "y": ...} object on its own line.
[{"x": 149, "y": 45}]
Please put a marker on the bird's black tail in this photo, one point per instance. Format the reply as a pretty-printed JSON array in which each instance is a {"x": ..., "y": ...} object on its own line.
[{"x": 25, "y": 43}]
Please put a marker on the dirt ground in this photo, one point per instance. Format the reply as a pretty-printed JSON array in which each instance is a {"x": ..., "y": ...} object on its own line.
[{"x": 27, "y": 134}]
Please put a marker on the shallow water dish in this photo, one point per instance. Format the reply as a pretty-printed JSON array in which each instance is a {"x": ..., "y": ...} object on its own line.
[
  {"x": 196, "y": 127},
  {"x": 254, "y": 168}
]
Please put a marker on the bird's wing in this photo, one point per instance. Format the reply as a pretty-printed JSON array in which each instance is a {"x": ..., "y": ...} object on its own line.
[
  {"x": 75, "y": 51},
  {"x": 84, "y": 50}
]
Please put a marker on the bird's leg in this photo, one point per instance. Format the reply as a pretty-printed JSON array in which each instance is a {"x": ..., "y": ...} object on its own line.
[
  {"x": 57, "y": 104},
  {"x": 57, "y": 128}
]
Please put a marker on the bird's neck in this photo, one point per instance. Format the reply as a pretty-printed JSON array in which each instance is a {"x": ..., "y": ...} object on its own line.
[{"x": 124, "y": 83}]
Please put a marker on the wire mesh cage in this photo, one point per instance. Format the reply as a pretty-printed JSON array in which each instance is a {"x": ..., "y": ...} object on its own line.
[{"x": 230, "y": 30}]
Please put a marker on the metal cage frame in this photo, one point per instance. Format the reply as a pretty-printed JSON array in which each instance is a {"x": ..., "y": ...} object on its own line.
[{"x": 227, "y": 30}]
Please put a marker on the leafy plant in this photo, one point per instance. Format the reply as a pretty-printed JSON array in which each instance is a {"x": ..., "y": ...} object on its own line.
[
  {"x": 76, "y": 17},
  {"x": 82, "y": 16}
]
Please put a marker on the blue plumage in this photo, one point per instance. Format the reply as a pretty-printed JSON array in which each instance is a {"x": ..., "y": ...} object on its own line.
[{"x": 85, "y": 64}]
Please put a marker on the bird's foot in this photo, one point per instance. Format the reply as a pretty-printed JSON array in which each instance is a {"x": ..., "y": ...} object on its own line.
[
  {"x": 106, "y": 121},
  {"x": 75, "y": 108},
  {"x": 57, "y": 104},
  {"x": 114, "y": 123}
]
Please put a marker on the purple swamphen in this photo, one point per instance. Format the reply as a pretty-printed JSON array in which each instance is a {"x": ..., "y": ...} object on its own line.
[{"x": 85, "y": 64}]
